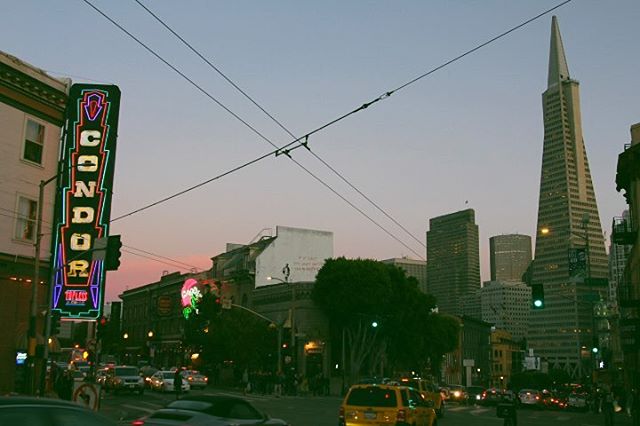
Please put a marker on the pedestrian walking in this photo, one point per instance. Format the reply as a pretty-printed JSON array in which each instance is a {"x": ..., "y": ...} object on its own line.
[
  {"x": 177, "y": 382},
  {"x": 608, "y": 406}
]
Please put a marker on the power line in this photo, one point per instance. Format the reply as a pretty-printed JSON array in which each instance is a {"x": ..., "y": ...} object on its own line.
[
  {"x": 162, "y": 257},
  {"x": 282, "y": 126},
  {"x": 14, "y": 214},
  {"x": 282, "y": 150},
  {"x": 159, "y": 260}
]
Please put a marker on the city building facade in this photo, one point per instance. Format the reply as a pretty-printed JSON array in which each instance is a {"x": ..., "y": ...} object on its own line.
[
  {"x": 627, "y": 232},
  {"x": 470, "y": 363},
  {"x": 31, "y": 115},
  {"x": 152, "y": 326},
  {"x": 506, "y": 358},
  {"x": 453, "y": 265},
  {"x": 507, "y": 306},
  {"x": 510, "y": 256},
  {"x": 414, "y": 268},
  {"x": 568, "y": 227}
]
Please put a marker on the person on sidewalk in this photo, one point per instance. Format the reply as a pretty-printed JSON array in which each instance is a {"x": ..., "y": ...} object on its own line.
[
  {"x": 607, "y": 406},
  {"x": 177, "y": 382}
]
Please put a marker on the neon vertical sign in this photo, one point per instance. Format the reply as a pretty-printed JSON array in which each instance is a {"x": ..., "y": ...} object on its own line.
[{"x": 83, "y": 204}]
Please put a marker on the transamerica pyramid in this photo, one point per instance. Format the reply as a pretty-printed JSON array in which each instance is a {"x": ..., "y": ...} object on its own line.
[{"x": 570, "y": 252}]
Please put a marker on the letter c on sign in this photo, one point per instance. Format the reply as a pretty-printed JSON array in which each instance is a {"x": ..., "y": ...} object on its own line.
[{"x": 90, "y": 138}]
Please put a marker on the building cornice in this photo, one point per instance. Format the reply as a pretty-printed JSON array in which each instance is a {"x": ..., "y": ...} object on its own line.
[{"x": 31, "y": 95}]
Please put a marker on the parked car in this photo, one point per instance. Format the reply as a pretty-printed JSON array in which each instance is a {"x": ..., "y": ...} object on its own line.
[
  {"x": 554, "y": 400},
  {"x": 578, "y": 401},
  {"x": 491, "y": 396},
  {"x": 78, "y": 376},
  {"x": 475, "y": 394},
  {"x": 44, "y": 411},
  {"x": 381, "y": 404},
  {"x": 428, "y": 390},
  {"x": 101, "y": 376},
  {"x": 162, "y": 381},
  {"x": 530, "y": 398},
  {"x": 124, "y": 378},
  {"x": 147, "y": 371},
  {"x": 210, "y": 410},
  {"x": 458, "y": 393},
  {"x": 195, "y": 379}
]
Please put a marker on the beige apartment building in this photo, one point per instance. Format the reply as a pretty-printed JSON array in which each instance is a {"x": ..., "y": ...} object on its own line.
[{"x": 31, "y": 115}]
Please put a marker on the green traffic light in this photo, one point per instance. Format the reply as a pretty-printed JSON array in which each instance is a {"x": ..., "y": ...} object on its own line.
[{"x": 537, "y": 303}]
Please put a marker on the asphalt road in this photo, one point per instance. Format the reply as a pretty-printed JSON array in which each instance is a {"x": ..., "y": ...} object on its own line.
[{"x": 323, "y": 411}]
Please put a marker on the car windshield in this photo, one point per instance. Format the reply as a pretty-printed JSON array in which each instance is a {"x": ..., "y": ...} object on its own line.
[
  {"x": 167, "y": 375},
  {"x": 373, "y": 396},
  {"x": 126, "y": 371},
  {"x": 475, "y": 389}
]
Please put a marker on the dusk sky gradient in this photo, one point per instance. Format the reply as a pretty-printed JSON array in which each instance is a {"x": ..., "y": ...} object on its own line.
[{"x": 469, "y": 132}]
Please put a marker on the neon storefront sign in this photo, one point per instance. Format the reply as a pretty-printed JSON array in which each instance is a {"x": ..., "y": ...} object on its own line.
[{"x": 83, "y": 203}]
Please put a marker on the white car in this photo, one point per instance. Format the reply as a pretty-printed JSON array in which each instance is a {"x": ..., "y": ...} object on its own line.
[
  {"x": 195, "y": 379},
  {"x": 163, "y": 381}
]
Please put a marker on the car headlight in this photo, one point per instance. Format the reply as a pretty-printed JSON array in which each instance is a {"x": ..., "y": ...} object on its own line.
[
  {"x": 478, "y": 397},
  {"x": 456, "y": 394}
]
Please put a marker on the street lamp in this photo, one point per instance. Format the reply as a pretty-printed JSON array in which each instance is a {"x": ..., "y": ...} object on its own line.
[{"x": 286, "y": 272}]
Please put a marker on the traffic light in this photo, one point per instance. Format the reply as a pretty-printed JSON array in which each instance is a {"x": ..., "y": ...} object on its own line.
[
  {"x": 55, "y": 323},
  {"x": 537, "y": 296},
  {"x": 112, "y": 258},
  {"x": 101, "y": 327}
]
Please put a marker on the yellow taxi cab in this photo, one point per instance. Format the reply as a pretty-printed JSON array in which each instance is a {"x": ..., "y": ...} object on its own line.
[
  {"x": 384, "y": 404},
  {"x": 428, "y": 390}
]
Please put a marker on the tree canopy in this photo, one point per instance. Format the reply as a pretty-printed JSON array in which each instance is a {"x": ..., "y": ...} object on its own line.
[{"x": 354, "y": 293}]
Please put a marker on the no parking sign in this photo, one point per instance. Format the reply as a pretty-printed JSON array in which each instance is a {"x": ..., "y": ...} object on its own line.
[{"x": 87, "y": 395}]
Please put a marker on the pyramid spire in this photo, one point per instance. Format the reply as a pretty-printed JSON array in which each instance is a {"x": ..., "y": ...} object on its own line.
[{"x": 558, "y": 68}]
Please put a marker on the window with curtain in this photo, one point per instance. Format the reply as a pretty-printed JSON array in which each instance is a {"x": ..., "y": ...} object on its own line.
[{"x": 26, "y": 219}]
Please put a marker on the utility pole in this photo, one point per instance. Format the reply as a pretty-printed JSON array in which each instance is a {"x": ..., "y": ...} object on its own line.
[{"x": 31, "y": 350}]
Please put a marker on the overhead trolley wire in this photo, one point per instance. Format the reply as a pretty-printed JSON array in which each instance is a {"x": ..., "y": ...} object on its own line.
[
  {"x": 282, "y": 126},
  {"x": 286, "y": 149},
  {"x": 282, "y": 150}
]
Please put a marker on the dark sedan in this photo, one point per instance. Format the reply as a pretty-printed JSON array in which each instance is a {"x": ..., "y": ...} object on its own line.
[
  {"x": 47, "y": 412},
  {"x": 210, "y": 410}
]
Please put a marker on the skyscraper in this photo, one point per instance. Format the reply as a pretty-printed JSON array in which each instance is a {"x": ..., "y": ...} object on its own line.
[
  {"x": 510, "y": 256},
  {"x": 453, "y": 260},
  {"x": 568, "y": 224},
  {"x": 414, "y": 268}
]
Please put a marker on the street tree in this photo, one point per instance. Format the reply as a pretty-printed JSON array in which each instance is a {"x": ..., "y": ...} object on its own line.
[{"x": 354, "y": 293}]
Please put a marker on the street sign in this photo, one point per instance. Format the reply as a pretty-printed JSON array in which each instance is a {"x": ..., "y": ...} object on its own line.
[{"x": 87, "y": 395}]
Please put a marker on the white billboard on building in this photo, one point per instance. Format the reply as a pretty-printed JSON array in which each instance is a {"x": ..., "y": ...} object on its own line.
[{"x": 296, "y": 255}]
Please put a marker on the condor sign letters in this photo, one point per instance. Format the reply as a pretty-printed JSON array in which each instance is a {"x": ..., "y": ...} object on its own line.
[{"x": 83, "y": 206}]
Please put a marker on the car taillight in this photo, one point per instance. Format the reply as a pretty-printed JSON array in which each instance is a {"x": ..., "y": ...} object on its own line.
[
  {"x": 341, "y": 413},
  {"x": 137, "y": 422},
  {"x": 402, "y": 416}
]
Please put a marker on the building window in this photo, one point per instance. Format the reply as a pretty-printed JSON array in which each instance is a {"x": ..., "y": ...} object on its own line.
[
  {"x": 26, "y": 219},
  {"x": 33, "y": 141}
]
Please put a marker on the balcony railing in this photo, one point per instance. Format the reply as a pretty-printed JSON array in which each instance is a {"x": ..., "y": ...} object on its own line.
[{"x": 622, "y": 231}]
